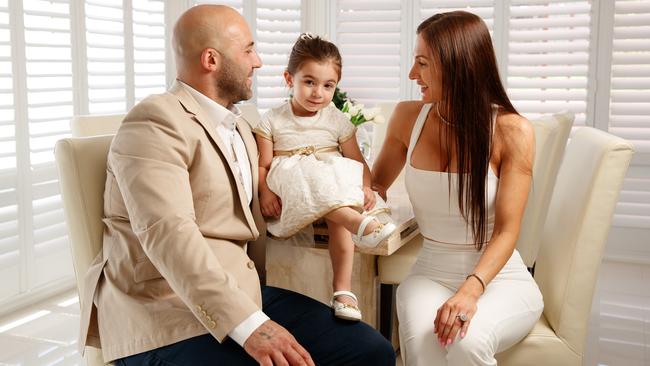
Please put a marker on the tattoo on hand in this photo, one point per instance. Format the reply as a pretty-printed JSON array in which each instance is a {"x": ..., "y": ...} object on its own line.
[{"x": 265, "y": 335}]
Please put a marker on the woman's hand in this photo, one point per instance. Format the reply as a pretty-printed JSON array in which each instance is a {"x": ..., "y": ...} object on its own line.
[
  {"x": 448, "y": 319},
  {"x": 270, "y": 203},
  {"x": 381, "y": 191},
  {"x": 369, "y": 199}
]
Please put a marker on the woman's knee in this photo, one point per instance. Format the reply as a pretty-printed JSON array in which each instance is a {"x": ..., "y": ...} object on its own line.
[
  {"x": 411, "y": 287},
  {"x": 476, "y": 348}
]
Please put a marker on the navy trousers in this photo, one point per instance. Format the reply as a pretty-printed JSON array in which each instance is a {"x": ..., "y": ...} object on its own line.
[{"x": 329, "y": 340}]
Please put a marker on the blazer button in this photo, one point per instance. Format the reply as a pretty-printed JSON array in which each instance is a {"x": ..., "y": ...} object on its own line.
[
  {"x": 212, "y": 324},
  {"x": 251, "y": 264}
]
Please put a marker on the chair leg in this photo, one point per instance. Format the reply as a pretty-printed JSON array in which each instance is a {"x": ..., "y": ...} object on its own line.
[{"x": 386, "y": 296}]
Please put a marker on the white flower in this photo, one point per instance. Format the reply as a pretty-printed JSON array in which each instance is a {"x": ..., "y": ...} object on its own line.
[
  {"x": 370, "y": 113},
  {"x": 354, "y": 109},
  {"x": 379, "y": 119},
  {"x": 347, "y": 115}
]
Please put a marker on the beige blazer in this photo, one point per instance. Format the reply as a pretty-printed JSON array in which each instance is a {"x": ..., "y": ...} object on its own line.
[{"x": 175, "y": 263}]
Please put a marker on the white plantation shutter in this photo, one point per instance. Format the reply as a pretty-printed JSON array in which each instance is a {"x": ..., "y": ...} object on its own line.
[
  {"x": 59, "y": 58},
  {"x": 106, "y": 56},
  {"x": 125, "y": 50},
  {"x": 633, "y": 209},
  {"x": 623, "y": 107},
  {"x": 237, "y": 4},
  {"x": 276, "y": 25},
  {"x": 482, "y": 8},
  {"x": 629, "y": 114},
  {"x": 148, "y": 47},
  {"x": 548, "y": 56},
  {"x": 9, "y": 234},
  {"x": 630, "y": 75},
  {"x": 48, "y": 54},
  {"x": 369, "y": 36},
  {"x": 277, "y": 28}
]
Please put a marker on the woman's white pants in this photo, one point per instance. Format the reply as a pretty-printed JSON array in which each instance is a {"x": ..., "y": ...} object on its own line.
[{"x": 507, "y": 311}]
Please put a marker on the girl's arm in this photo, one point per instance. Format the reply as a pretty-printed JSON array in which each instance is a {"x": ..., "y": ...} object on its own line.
[
  {"x": 270, "y": 204},
  {"x": 517, "y": 145},
  {"x": 350, "y": 149}
]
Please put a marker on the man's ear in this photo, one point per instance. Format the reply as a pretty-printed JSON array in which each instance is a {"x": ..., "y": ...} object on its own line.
[
  {"x": 210, "y": 59},
  {"x": 288, "y": 78}
]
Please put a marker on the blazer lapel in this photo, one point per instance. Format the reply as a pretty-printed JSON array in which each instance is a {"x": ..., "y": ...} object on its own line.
[
  {"x": 251, "y": 147},
  {"x": 210, "y": 126},
  {"x": 243, "y": 126}
]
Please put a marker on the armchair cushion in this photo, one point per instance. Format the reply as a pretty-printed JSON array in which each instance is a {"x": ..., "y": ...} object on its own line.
[
  {"x": 93, "y": 125},
  {"x": 82, "y": 175}
]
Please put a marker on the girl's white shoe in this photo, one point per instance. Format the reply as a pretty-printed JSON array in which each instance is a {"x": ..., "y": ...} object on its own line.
[
  {"x": 375, "y": 237},
  {"x": 343, "y": 310}
]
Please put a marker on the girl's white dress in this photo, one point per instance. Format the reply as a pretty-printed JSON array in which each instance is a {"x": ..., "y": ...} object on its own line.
[{"x": 308, "y": 172}]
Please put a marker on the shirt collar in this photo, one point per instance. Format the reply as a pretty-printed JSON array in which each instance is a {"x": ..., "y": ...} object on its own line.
[{"x": 223, "y": 116}]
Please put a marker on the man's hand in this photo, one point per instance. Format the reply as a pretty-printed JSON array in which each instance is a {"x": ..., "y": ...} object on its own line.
[{"x": 270, "y": 344}]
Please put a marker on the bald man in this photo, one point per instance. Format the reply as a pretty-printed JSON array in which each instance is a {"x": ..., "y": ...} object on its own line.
[{"x": 178, "y": 279}]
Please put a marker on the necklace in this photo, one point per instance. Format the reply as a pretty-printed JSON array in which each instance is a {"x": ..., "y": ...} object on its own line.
[{"x": 442, "y": 119}]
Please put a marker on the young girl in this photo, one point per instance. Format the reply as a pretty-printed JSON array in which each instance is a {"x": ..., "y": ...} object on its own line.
[{"x": 311, "y": 167}]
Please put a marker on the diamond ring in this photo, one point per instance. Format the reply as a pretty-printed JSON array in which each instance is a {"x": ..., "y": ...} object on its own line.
[{"x": 462, "y": 316}]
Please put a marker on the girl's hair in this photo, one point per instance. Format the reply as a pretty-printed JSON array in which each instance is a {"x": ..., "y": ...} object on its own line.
[
  {"x": 310, "y": 47},
  {"x": 460, "y": 44}
]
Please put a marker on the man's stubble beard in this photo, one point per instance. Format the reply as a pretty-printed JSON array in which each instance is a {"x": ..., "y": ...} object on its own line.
[{"x": 230, "y": 85}]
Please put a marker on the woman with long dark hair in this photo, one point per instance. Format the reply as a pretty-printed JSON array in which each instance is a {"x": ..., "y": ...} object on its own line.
[{"x": 468, "y": 157}]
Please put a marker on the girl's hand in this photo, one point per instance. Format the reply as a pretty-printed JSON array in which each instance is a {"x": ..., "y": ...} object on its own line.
[
  {"x": 448, "y": 319},
  {"x": 368, "y": 198},
  {"x": 270, "y": 203}
]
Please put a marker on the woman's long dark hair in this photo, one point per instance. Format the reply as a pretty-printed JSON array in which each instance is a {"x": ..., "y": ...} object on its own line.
[{"x": 460, "y": 43}]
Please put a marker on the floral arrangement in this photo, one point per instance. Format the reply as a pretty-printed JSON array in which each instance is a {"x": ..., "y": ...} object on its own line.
[{"x": 355, "y": 112}]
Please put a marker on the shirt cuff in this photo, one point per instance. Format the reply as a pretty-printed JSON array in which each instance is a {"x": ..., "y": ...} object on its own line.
[{"x": 242, "y": 331}]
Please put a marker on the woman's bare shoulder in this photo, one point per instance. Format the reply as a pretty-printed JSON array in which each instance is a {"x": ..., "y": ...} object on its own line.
[
  {"x": 408, "y": 107},
  {"x": 515, "y": 140},
  {"x": 513, "y": 128},
  {"x": 403, "y": 118}
]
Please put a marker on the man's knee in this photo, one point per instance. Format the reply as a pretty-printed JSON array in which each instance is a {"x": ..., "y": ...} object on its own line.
[{"x": 378, "y": 351}]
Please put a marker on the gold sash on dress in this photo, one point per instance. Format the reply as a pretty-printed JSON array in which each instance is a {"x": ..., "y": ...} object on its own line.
[{"x": 306, "y": 150}]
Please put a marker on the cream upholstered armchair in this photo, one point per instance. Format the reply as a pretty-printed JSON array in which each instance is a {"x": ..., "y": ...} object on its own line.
[
  {"x": 551, "y": 134},
  {"x": 82, "y": 174},
  {"x": 573, "y": 240},
  {"x": 93, "y": 125},
  {"x": 81, "y": 163}
]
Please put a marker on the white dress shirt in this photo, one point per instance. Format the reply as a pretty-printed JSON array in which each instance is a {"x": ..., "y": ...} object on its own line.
[{"x": 226, "y": 128}]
